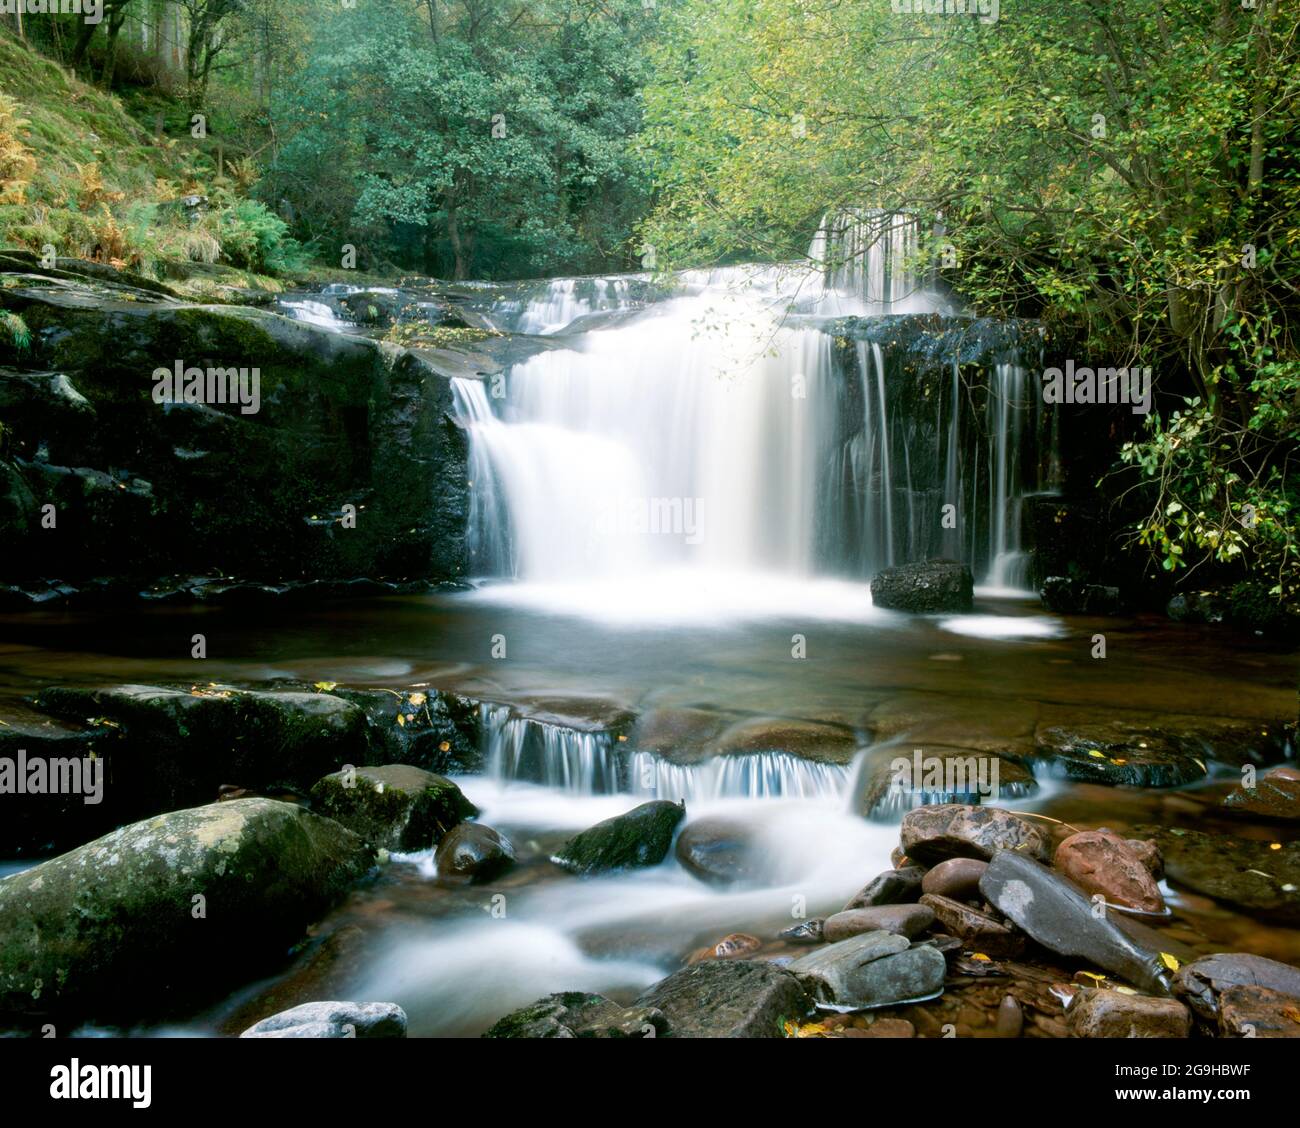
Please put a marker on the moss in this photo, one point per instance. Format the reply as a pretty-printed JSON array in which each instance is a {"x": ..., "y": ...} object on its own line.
[{"x": 641, "y": 837}]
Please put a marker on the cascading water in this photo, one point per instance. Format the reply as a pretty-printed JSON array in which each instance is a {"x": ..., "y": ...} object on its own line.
[
  {"x": 523, "y": 750},
  {"x": 718, "y": 442}
]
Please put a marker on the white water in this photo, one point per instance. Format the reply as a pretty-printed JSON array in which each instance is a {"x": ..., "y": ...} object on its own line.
[{"x": 702, "y": 459}]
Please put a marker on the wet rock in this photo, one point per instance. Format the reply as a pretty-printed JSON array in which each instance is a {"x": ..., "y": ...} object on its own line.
[
  {"x": 892, "y": 781},
  {"x": 578, "y": 1014},
  {"x": 934, "y": 834},
  {"x": 1061, "y": 918},
  {"x": 730, "y": 947},
  {"x": 889, "y": 1028},
  {"x": 339, "y": 418},
  {"x": 1151, "y": 749},
  {"x": 474, "y": 852},
  {"x": 928, "y": 587},
  {"x": 333, "y": 1020},
  {"x": 180, "y": 746},
  {"x": 720, "y": 851},
  {"x": 957, "y": 878},
  {"x": 1069, "y": 597},
  {"x": 640, "y": 837},
  {"x": 1010, "y": 1021},
  {"x": 1148, "y": 854},
  {"x": 1244, "y": 872},
  {"x": 893, "y": 887},
  {"x": 1100, "y": 862},
  {"x": 395, "y": 806},
  {"x": 871, "y": 970},
  {"x": 182, "y": 905},
  {"x": 1101, "y": 1013},
  {"x": 40, "y": 825},
  {"x": 1197, "y": 607},
  {"x": 906, "y": 920},
  {"x": 805, "y": 932},
  {"x": 1257, "y": 1012},
  {"x": 1276, "y": 795},
  {"x": 439, "y": 731},
  {"x": 1203, "y": 982},
  {"x": 977, "y": 931},
  {"x": 809, "y": 740},
  {"x": 728, "y": 999}
]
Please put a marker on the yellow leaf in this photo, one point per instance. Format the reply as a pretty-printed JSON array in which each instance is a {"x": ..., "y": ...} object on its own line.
[
  {"x": 325, "y": 687},
  {"x": 417, "y": 699},
  {"x": 401, "y": 719},
  {"x": 1171, "y": 962}
]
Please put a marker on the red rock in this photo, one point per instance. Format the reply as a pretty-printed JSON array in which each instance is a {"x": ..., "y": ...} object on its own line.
[{"x": 1098, "y": 861}]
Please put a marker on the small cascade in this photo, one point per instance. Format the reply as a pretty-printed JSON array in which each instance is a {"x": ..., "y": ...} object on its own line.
[
  {"x": 518, "y": 748},
  {"x": 566, "y": 300},
  {"x": 593, "y": 763},
  {"x": 758, "y": 775}
]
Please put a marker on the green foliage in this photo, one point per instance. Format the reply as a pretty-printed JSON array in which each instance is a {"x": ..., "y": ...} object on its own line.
[
  {"x": 465, "y": 139},
  {"x": 1128, "y": 173},
  {"x": 253, "y": 237}
]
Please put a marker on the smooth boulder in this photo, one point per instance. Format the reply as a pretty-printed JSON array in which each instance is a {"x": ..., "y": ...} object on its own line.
[
  {"x": 927, "y": 587},
  {"x": 953, "y": 830},
  {"x": 638, "y": 838},
  {"x": 871, "y": 970},
  {"x": 1100, "y": 862},
  {"x": 473, "y": 852},
  {"x": 905, "y": 920},
  {"x": 728, "y": 999},
  {"x": 396, "y": 806},
  {"x": 184, "y": 903},
  {"x": 333, "y": 1020}
]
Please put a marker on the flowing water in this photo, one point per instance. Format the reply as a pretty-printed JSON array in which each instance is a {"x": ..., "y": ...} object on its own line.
[{"x": 676, "y": 513}]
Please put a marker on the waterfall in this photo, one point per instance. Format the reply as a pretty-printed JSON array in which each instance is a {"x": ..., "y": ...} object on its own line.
[
  {"x": 714, "y": 438},
  {"x": 593, "y": 763}
]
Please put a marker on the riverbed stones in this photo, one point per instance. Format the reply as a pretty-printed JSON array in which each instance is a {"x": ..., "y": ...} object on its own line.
[
  {"x": 635, "y": 839},
  {"x": 394, "y": 806},
  {"x": 728, "y": 999},
  {"x": 1260, "y": 877},
  {"x": 1203, "y": 982},
  {"x": 893, "y": 887},
  {"x": 1276, "y": 795},
  {"x": 906, "y": 920},
  {"x": 1100, "y": 862},
  {"x": 871, "y": 970},
  {"x": 1059, "y": 917},
  {"x": 927, "y": 587},
  {"x": 1010, "y": 1019},
  {"x": 935, "y": 834},
  {"x": 958, "y": 878},
  {"x": 181, "y": 904},
  {"x": 580, "y": 1014},
  {"x": 1103, "y": 1013},
  {"x": 721, "y": 851},
  {"x": 1256, "y": 1012},
  {"x": 333, "y": 1020},
  {"x": 977, "y": 931},
  {"x": 473, "y": 852},
  {"x": 805, "y": 932}
]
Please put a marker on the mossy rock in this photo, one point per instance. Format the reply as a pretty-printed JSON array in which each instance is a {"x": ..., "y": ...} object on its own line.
[
  {"x": 170, "y": 910},
  {"x": 578, "y": 1014},
  {"x": 396, "y": 806},
  {"x": 640, "y": 837}
]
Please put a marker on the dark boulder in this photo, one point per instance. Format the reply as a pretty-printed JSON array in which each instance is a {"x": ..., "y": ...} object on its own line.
[
  {"x": 639, "y": 837},
  {"x": 928, "y": 587}
]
